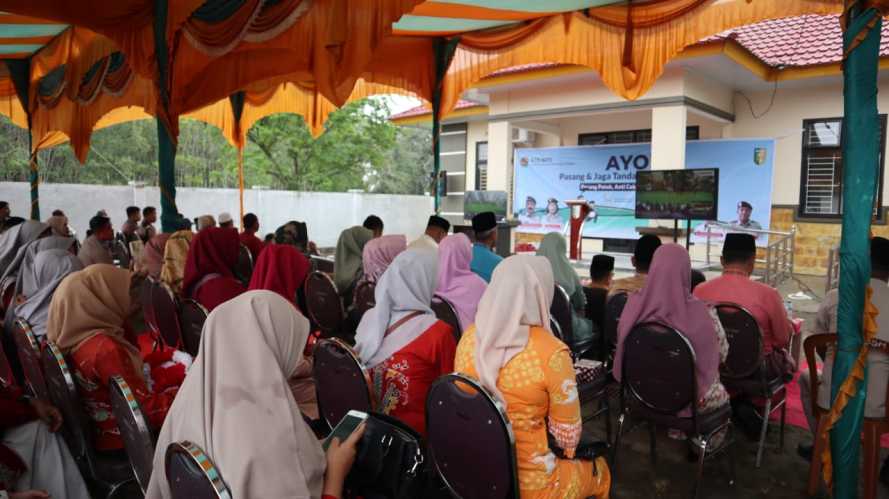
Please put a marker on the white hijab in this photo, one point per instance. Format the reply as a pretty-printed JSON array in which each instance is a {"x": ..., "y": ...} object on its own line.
[
  {"x": 406, "y": 286},
  {"x": 236, "y": 405}
]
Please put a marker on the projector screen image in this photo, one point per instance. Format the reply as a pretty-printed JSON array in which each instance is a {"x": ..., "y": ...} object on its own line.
[
  {"x": 475, "y": 202},
  {"x": 681, "y": 194}
]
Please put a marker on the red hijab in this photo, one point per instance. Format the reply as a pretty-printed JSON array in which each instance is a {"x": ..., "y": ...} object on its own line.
[
  {"x": 281, "y": 268},
  {"x": 213, "y": 250}
]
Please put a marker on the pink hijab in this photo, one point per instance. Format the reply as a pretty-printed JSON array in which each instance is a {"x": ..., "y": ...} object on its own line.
[
  {"x": 457, "y": 284},
  {"x": 667, "y": 299},
  {"x": 378, "y": 254}
]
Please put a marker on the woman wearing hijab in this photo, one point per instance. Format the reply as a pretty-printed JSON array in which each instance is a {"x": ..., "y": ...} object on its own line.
[
  {"x": 176, "y": 254},
  {"x": 22, "y": 266},
  {"x": 402, "y": 342},
  {"x": 14, "y": 238},
  {"x": 457, "y": 283},
  {"x": 209, "y": 270},
  {"x": 49, "y": 269},
  {"x": 59, "y": 225},
  {"x": 511, "y": 351},
  {"x": 347, "y": 261},
  {"x": 151, "y": 260},
  {"x": 235, "y": 405},
  {"x": 666, "y": 298},
  {"x": 88, "y": 317},
  {"x": 378, "y": 254},
  {"x": 555, "y": 249}
]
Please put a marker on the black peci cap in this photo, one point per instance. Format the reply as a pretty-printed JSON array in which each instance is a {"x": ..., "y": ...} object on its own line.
[
  {"x": 645, "y": 248},
  {"x": 441, "y": 223},
  {"x": 484, "y": 221},
  {"x": 738, "y": 244}
]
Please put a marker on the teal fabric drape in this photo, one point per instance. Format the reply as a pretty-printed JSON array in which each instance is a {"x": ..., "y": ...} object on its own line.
[
  {"x": 861, "y": 141},
  {"x": 50, "y": 83},
  {"x": 444, "y": 53},
  {"x": 166, "y": 179},
  {"x": 213, "y": 11}
]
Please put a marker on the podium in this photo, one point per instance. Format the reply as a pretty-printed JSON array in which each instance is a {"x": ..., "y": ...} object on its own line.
[{"x": 578, "y": 209}]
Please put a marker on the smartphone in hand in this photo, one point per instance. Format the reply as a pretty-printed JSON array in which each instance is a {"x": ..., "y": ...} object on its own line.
[{"x": 345, "y": 427}]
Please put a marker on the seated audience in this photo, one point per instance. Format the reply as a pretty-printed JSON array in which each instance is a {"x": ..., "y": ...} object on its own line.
[
  {"x": 402, "y": 342},
  {"x": 512, "y": 353},
  {"x": 248, "y": 237},
  {"x": 263, "y": 448},
  {"x": 88, "y": 321},
  {"x": 131, "y": 226},
  {"x": 283, "y": 269},
  {"x": 555, "y": 249},
  {"x": 146, "y": 228},
  {"x": 601, "y": 274},
  {"x": 4, "y": 216},
  {"x": 151, "y": 261},
  {"x": 877, "y": 361},
  {"x": 209, "y": 270},
  {"x": 206, "y": 222},
  {"x": 761, "y": 300},
  {"x": 269, "y": 238},
  {"x": 21, "y": 266},
  {"x": 484, "y": 260},
  {"x": 296, "y": 234},
  {"x": 49, "y": 269},
  {"x": 457, "y": 283},
  {"x": 347, "y": 261},
  {"x": 641, "y": 260},
  {"x": 59, "y": 225},
  {"x": 34, "y": 459},
  {"x": 176, "y": 254},
  {"x": 226, "y": 221},
  {"x": 13, "y": 238},
  {"x": 436, "y": 229},
  {"x": 666, "y": 299},
  {"x": 374, "y": 224},
  {"x": 96, "y": 246},
  {"x": 378, "y": 254}
]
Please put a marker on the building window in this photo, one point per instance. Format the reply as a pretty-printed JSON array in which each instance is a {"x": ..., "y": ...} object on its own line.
[
  {"x": 481, "y": 166},
  {"x": 629, "y": 137},
  {"x": 821, "y": 181}
]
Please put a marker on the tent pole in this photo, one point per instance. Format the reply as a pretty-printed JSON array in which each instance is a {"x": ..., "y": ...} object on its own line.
[
  {"x": 444, "y": 52},
  {"x": 860, "y": 145},
  {"x": 241, "y": 184},
  {"x": 34, "y": 179},
  {"x": 166, "y": 161}
]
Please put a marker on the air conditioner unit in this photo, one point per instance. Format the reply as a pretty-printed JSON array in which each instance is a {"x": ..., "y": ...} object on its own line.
[{"x": 522, "y": 136}]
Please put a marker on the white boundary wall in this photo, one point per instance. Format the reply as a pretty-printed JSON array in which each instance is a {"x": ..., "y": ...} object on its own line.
[{"x": 326, "y": 213}]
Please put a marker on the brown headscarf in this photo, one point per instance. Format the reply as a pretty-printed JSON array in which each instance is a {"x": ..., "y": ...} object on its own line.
[
  {"x": 175, "y": 255},
  {"x": 92, "y": 301},
  {"x": 235, "y": 403}
]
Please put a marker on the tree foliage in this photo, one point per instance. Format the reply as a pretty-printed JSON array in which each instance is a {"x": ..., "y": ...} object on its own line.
[{"x": 359, "y": 149}]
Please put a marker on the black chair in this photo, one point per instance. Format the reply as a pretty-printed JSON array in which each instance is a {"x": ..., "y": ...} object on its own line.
[
  {"x": 658, "y": 382},
  {"x": 324, "y": 304},
  {"x": 6, "y": 376},
  {"x": 7, "y": 292},
  {"x": 561, "y": 313},
  {"x": 446, "y": 313},
  {"x": 28, "y": 350},
  {"x": 364, "y": 299},
  {"x": 614, "y": 307},
  {"x": 147, "y": 304},
  {"x": 745, "y": 372},
  {"x": 321, "y": 264},
  {"x": 191, "y": 474},
  {"x": 120, "y": 252},
  {"x": 110, "y": 474},
  {"x": 342, "y": 383},
  {"x": 166, "y": 314},
  {"x": 134, "y": 430},
  {"x": 244, "y": 269},
  {"x": 192, "y": 316},
  {"x": 482, "y": 462}
]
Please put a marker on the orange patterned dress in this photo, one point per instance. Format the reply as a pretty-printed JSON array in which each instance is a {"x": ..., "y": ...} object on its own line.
[{"x": 541, "y": 396}]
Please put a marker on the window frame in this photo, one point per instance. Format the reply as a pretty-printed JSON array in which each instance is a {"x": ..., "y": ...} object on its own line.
[
  {"x": 478, "y": 162},
  {"x": 692, "y": 132}
]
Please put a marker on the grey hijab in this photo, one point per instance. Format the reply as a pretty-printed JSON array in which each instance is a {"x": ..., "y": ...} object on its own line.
[
  {"x": 50, "y": 268},
  {"x": 21, "y": 266},
  {"x": 13, "y": 239}
]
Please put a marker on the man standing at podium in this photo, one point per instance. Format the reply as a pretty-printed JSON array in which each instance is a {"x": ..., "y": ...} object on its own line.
[{"x": 484, "y": 260}]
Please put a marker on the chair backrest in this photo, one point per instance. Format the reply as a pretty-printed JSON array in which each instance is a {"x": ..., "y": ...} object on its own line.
[
  {"x": 7, "y": 291},
  {"x": 28, "y": 349},
  {"x": 76, "y": 428},
  {"x": 561, "y": 313},
  {"x": 458, "y": 405},
  {"x": 321, "y": 264},
  {"x": 744, "y": 342},
  {"x": 341, "y": 381},
  {"x": 812, "y": 344},
  {"x": 6, "y": 376},
  {"x": 192, "y": 316},
  {"x": 446, "y": 313},
  {"x": 658, "y": 369},
  {"x": 364, "y": 297},
  {"x": 120, "y": 253},
  {"x": 613, "y": 308},
  {"x": 191, "y": 474},
  {"x": 147, "y": 304},
  {"x": 134, "y": 430},
  {"x": 166, "y": 314},
  {"x": 323, "y": 302},
  {"x": 244, "y": 270}
]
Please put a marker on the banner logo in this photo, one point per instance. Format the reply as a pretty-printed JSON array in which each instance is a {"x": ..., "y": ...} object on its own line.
[{"x": 759, "y": 155}]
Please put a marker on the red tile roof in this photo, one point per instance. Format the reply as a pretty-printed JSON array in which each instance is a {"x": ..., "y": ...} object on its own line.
[{"x": 425, "y": 109}]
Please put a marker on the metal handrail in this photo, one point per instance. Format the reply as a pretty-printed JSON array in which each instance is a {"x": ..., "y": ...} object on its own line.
[
  {"x": 833, "y": 269},
  {"x": 778, "y": 264}
]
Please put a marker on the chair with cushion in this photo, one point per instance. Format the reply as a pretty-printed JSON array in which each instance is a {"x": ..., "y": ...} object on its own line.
[
  {"x": 192, "y": 316},
  {"x": 744, "y": 371},
  {"x": 364, "y": 299},
  {"x": 110, "y": 474},
  {"x": 134, "y": 430},
  {"x": 321, "y": 264},
  {"x": 658, "y": 383},
  {"x": 166, "y": 314},
  {"x": 191, "y": 474},
  {"x": 459, "y": 405},
  {"x": 342, "y": 383},
  {"x": 614, "y": 307},
  {"x": 7, "y": 292},
  {"x": 28, "y": 350},
  {"x": 244, "y": 269},
  {"x": 324, "y": 304},
  {"x": 445, "y": 312}
]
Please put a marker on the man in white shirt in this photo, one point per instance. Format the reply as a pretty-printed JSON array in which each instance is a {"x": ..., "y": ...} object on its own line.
[{"x": 436, "y": 230}]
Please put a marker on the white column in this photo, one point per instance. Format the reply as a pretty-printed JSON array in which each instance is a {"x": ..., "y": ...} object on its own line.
[
  {"x": 499, "y": 155},
  {"x": 668, "y": 137}
]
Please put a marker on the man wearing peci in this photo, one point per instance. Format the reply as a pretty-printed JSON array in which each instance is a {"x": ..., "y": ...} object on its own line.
[
  {"x": 436, "y": 229},
  {"x": 484, "y": 260}
]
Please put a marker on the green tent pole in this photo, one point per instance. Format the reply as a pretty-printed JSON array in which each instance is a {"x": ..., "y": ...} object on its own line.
[
  {"x": 860, "y": 145},
  {"x": 444, "y": 52},
  {"x": 35, "y": 180}
]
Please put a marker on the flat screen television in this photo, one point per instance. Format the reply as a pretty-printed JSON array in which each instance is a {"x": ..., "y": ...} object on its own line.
[
  {"x": 679, "y": 194},
  {"x": 475, "y": 202}
]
